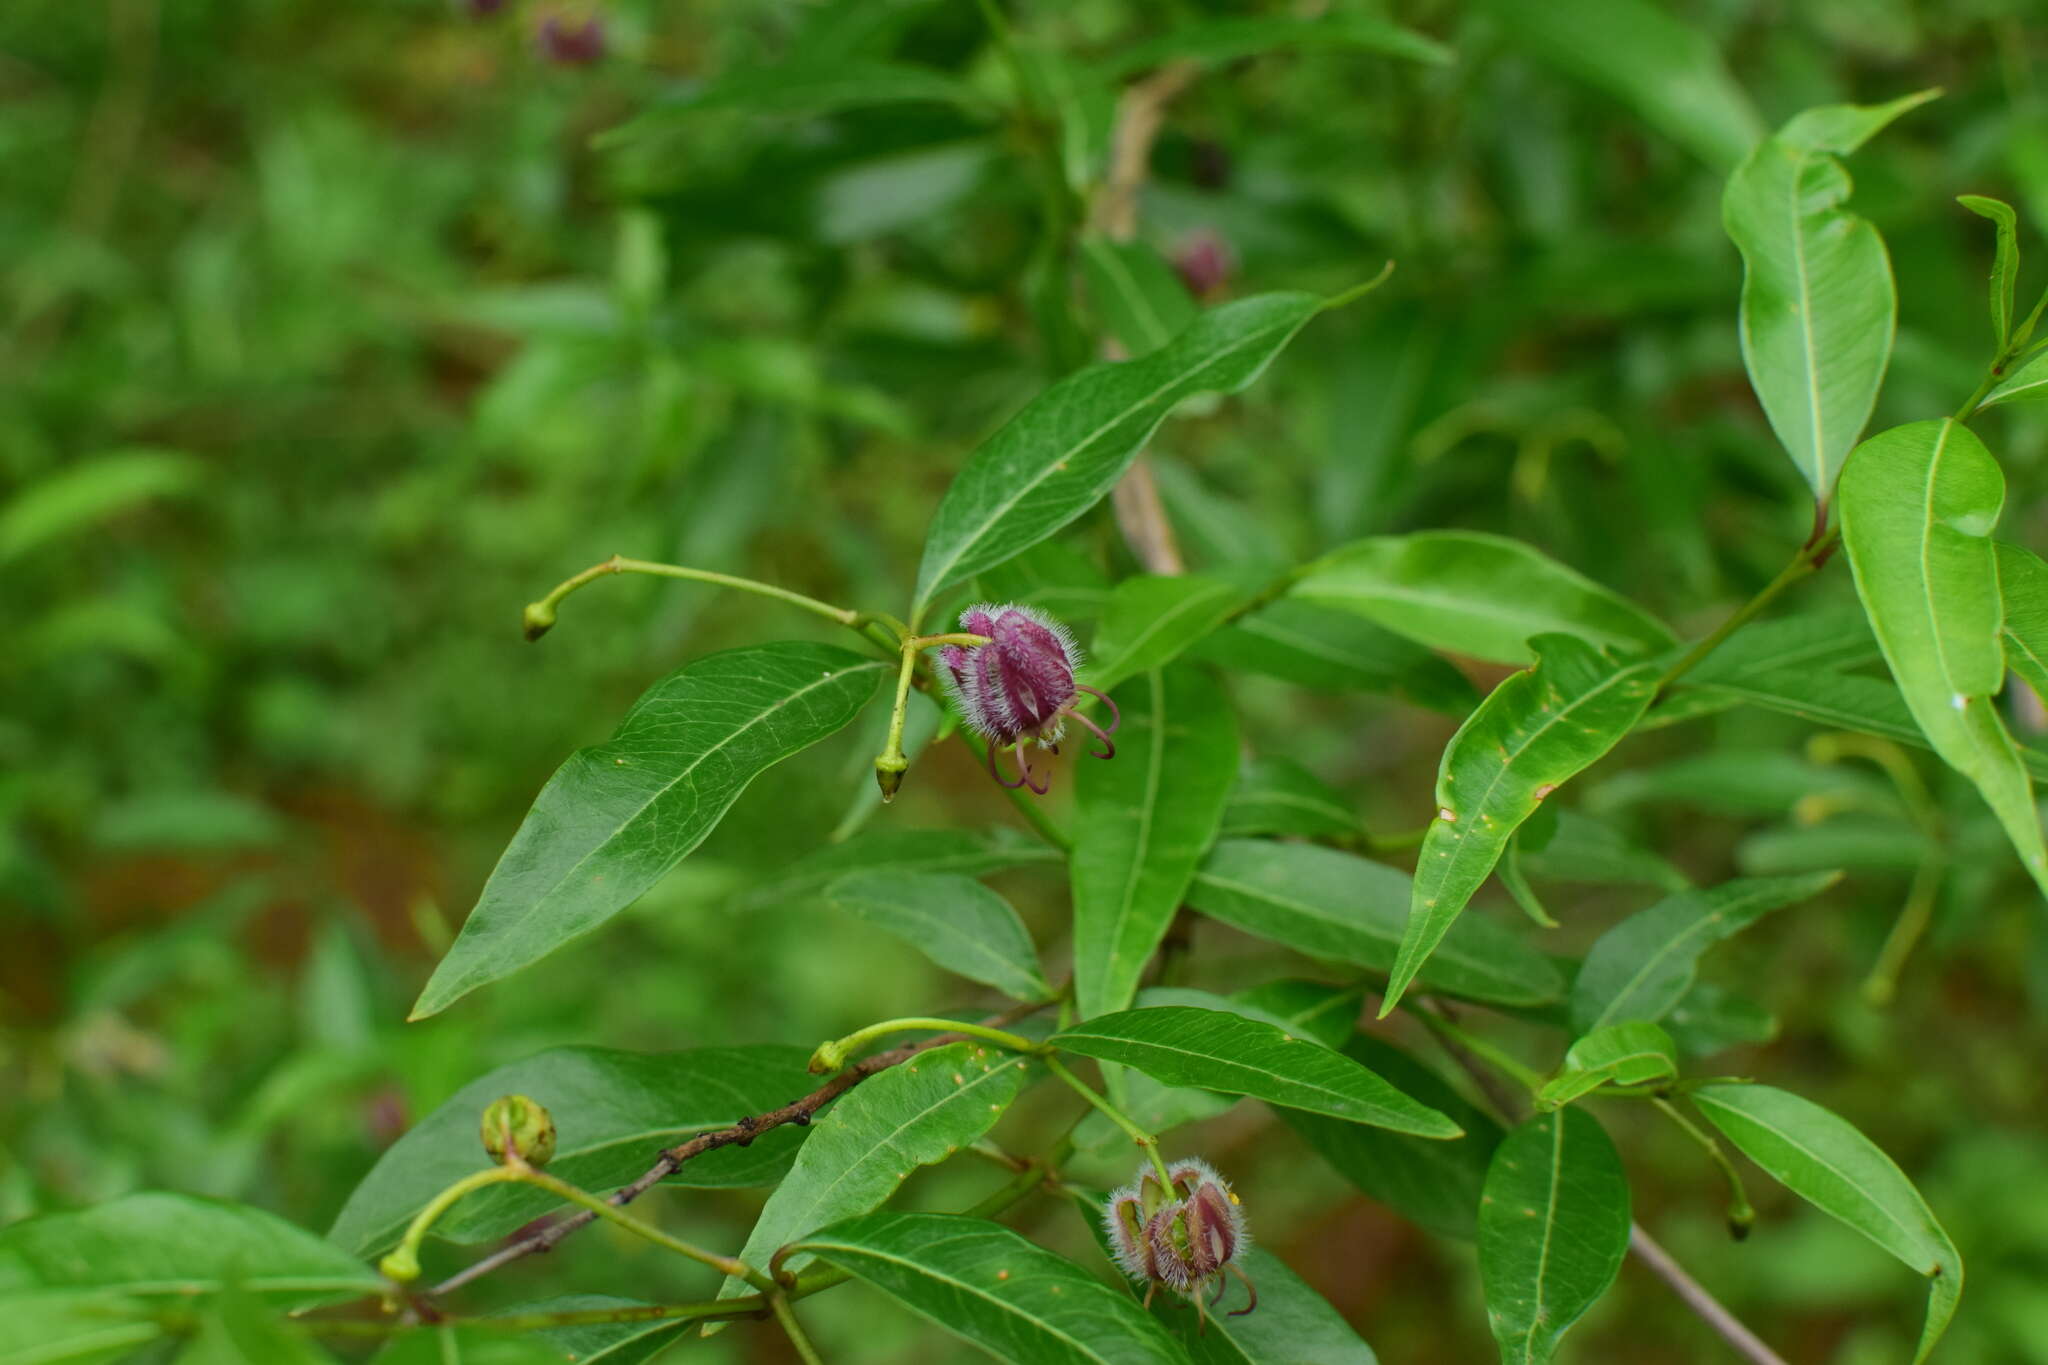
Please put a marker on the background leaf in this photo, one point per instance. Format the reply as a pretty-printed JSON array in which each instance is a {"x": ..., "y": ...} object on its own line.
[
  {"x": 1213, "y": 1050},
  {"x": 1476, "y": 594},
  {"x": 1633, "y": 1052},
  {"x": 1825, "y": 1161},
  {"x": 1226, "y": 39},
  {"x": 619, "y": 815},
  {"x": 2023, "y": 588},
  {"x": 953, "y": 920},
  {"x": 1818, "y": 304},
  {"x": 1333, "y": 650},
  {"x": 1343, "y": 908},
  {"x": 1276, "y": 795},
  {"x": 613, "y": 1110},
  {"x": 1553, "y": 1229},
  {"x": 2027, "y": 384},
  {"x": 985, "y": 1284},
  {"x": 89, "y": 491},
  {"x": 2005, "y": 266},
  {"x": 1057, "y": 457},
  {"x": 1537, "y": 730},
  {"x": 1150, "y": 621},
  {"x": 1142, "y": 822},
  {"x": 897, "y": 852},
  {"x": 1293, "y": 1323},
  {"x": 1918, "y": 506},
  {"x": 1662, "y": 68},
  {"x": 1142, "y": 302},
  {"x": 1644, "y": 965}
]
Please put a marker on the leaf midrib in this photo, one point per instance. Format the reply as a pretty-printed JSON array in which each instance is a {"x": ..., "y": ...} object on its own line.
[{"x": 1201, "y": 597}]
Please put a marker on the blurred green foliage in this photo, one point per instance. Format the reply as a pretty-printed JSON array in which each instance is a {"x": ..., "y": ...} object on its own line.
[{"x": 331, "y": 338}]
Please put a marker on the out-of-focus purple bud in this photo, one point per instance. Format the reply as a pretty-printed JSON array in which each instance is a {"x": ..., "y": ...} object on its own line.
[
  {"x": 480, "y": 9},
  {"x": 568, "y": 41},
  {"x": 1184, "y": 1235},
  {"x": 1019, "y": 688},
  {"x": 1205, "y": 263}
]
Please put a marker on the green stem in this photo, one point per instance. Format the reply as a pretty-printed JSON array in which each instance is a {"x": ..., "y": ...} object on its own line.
[
  {"x": 1808, "y": 558},
  {"x": 834, "y": 1055},
  {"x": 1740, "y": 1214},
  {"x": 1883, "y": 982},
  {"x": 540, "y": 616},
  {"x": 1969, "y": 407},
  {"x": 1145, "y": 1140},
  {"x": 892, "y": 761},
  {"x": 784, "y": 1314},
  {"x": 403, "y": 1264},
  {"x": 536, "y": 1322},
  {"x": 1480, "y": 1048}
]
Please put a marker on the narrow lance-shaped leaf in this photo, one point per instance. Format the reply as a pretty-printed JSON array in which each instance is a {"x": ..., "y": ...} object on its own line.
[
  {"x": 1343, "y": 908},
  {"x": 801, "y": 88},
  {"x": 1142, "y": 823},
  {"x": 1226, "y": 39},
  {"x": 2027, "y": 384},
  {"x": 613, "y": 1110},
  {"x": 1475, "y": 594},
  {"x": 1149, "y": 621},
  {"x": 1824, "y": 1160},
  {"x": 1630, "y": 1053},
  {"x": 1553, "y": 1229},
  {"x": 1332, "y": 650},
  {"x": 912, "y": 1115},
  {"x": 1239, "y": 1056},
  {"x": 2023, "y": 584},
  {"x": 1663, "y": 69},
  {"x": 1276, "y": 795},
  {"x": 961, "y": 852},
  {"x": 953, "y": 920},
  {"x": 1069, "y": 446},
  {"x": 617, "y": 816},
  {"x": 1644, "y": 965},
  {"x": 1141, "y": 301},
  {"x": 1918, "y": 506},
  {"x": 1537, "y": 730},
  {"x": 2005, "y": 266},
  {"x": 987, "y": 1285},
  {"x": 1818, "y": 303}
]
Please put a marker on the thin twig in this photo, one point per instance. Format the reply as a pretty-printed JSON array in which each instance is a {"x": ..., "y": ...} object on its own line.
[
  {"x": 1695, "y": 1296},
  {"x": 799, "y": 1112}
]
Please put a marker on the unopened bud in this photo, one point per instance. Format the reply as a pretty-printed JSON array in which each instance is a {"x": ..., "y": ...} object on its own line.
[
  {"x": 828, "y": 1058},
  {"x": 1018, "y": 690},
  {"x": 567, "y": 41},
  {"x": 889, "y": 775},
  {"x": 540, "y": 619},
  {"x": 402, "y": 1265},
  {"x": 516, "y": 1126},
  {"x": 1182, "y": 1234}
]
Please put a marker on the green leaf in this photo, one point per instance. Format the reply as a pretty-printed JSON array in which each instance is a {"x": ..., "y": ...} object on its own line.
[
  {"x": 916, "y": 1114},
  {"x": 795, "y": 88},
  {"x": 1663, "y": 69},
  {"x": 1056, "y": 458},
  {"x": 1634, "y": 1052},
  {"x": 1142, "y": 302},
  {"x": 953, "y": 920},
  {"x": 1276, "y": 795},
  {"x": 1818, "y": 304},
  {"x": 1742, "y": 781},
  {"x": 1918, "y": 506},
  {"x": 1332, "y": 650},
  {"x": 991, "y": 1287},
  {"x": 1149, "y": 621},
  {"x": 2005, "y": 268},
  {"x": 1644, "y": 965},
  {"x": 1535, "y": 731},
  {"x": 1433, "y": 1184},
  {"x": 617, "y": 816},
  {"x": 899, "y": 852},
  {"x": 603, "y": 1343},
  {"x": 2023, "y": 585},
  {"x": 1591, "y": 852},
  {"x": 1825, "y": 1161},
  {"x": 1475, "y": 594},
  {"x": 1553, "y": 1229},
  {"x": 1227, "y": 39},
  {"x": 1342, "y": 908},
  {"x": 85, "y": 492},
  {"x": 470, "y": 1345},
  {"x": 1214, "y": 1050},
  {"x": 1054, "y": 577},
  {"x": 1853, "y": 841},
  {"x": 2027, "y": 384},
  {"x": 1293, "y": 1323},
  {"x": 1711, "y": 1019},
  {"x": 78, "y": 1286},
  {"x": 1142, "y": 822},
  {"x": 237, "y": 1329},
  {"x": 613, "y": 1110}
]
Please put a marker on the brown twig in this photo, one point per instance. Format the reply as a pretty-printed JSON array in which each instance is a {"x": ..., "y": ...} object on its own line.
[{"x": 799, "y": 1112}]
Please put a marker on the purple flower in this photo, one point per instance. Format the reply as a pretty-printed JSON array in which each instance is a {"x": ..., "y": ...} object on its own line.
[
  {"x": 1019, "y": 687},
  {"x": 571, "y": 42},
  {"x": 1205, "y": 263},
  {"x": 480, "y": 9},
  {"x": 1184, "y": 1234}
]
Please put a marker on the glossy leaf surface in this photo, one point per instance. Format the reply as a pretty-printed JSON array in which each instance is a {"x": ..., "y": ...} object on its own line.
[
  {"x": 1626, "y": 1054},
  {"x": 1148, "y": 621},
  {"x": 953, "y": 920}
]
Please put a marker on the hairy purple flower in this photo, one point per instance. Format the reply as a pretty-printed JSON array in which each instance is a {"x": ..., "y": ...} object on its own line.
[
  {"x": 1019, "y": 688},
  {"x": 1184, "y": 1234}
]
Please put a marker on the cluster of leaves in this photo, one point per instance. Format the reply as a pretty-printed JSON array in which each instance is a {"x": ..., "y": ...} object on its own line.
[{"x": 1180, "y": 821}]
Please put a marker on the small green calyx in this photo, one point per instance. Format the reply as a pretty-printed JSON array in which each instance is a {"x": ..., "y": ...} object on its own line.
[
  {"x": 401, "y": 1266},
  {"x": 540, "y": 619},
  {"x": 889, "y": 769},
  {"x": 515, "y": 1127},
  {"x": 828, "y": 1058}
]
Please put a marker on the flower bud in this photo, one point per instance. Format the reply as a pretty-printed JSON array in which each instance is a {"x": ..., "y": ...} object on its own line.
[
  {"x": 539, "y": 620},
  {"x": 1019, "y": 687},
  {"x": 1183, "y": 1234},
  {"x": 480, "y": 9},
  {"x": 1205, "y": 264},
  {"x": 516, "y": 1126},
  {"x": 567, "y": 41}
]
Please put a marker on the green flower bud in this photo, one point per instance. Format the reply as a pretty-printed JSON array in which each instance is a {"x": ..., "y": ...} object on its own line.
[
  {"x": 402, "y": 1265},
  {"x": 540, "y": 618},
  {"x": 520, "y": 1127}
]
